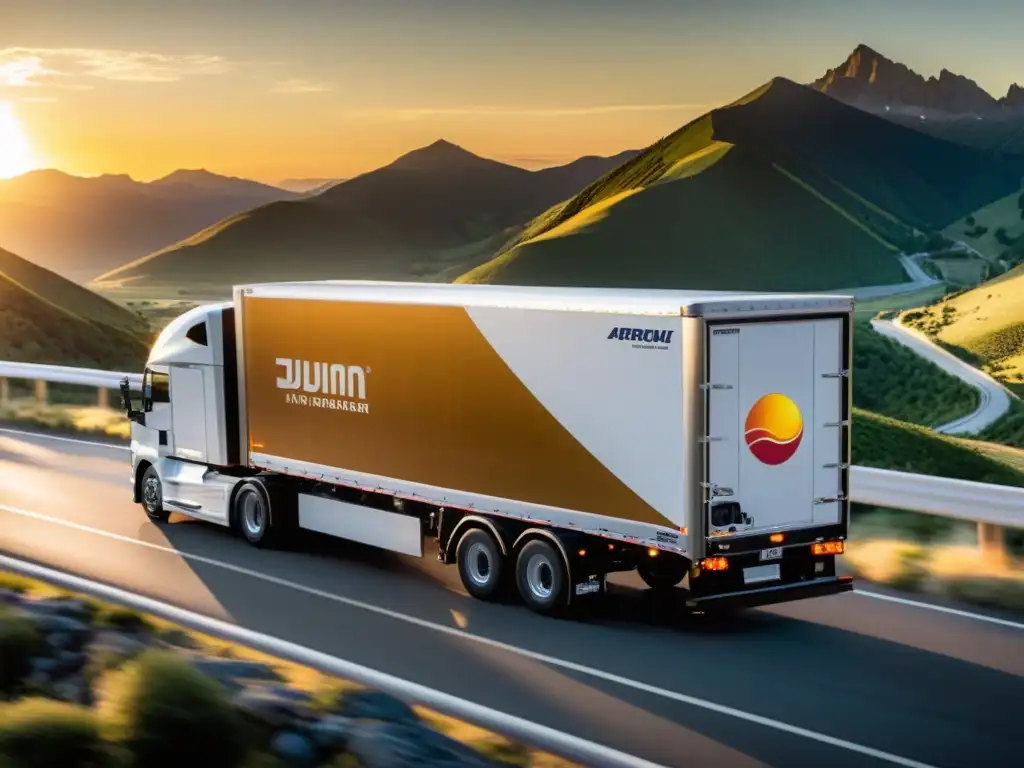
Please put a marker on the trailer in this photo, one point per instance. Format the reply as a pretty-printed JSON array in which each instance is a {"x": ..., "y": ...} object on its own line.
[{"x": 544, "y": 437}]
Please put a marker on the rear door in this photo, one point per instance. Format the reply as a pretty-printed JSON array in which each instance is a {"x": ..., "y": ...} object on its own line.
[{"x": 775, "y": 407}]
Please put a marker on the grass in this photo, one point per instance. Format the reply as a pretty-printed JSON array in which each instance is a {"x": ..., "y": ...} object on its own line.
[
  {"x": 46, "y": 319},
  {"x": 91, "y": 421},
  {"x": 1003, "y": 214},
  {"x": 984, "y": 325},
  {"x": 883, "y": 442},
  {"x": 1009, "y": 430},
  {"x": 891, "y": 380},
  {"x": 324, "y": 688},
  {"x": 690, "y": 237}
]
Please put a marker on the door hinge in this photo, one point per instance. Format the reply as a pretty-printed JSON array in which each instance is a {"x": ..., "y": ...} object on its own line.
[
  {"x": 841, "y": 465},
  {"x": 830, "y": 499},
  {"x": 706, "y": 387},
  {"x": 843, "y": 374},
  {"x": 843, "y": 423},
  {"x": 718, "y": 490}
]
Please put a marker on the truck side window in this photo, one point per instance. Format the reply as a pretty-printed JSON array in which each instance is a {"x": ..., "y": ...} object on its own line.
[
  {"x": 155, "y": 389},
  {"x": 197, "y": 333}
]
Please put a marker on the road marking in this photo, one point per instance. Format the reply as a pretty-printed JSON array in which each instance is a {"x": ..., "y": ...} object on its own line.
[
  {"x": 941, "y": 609},
  {"x": 62, "y": 439},
  {"x": 497, "y": 644}
]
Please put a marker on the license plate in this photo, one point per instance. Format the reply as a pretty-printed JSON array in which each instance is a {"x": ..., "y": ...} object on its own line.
[
  {"x": 589, "y": 587},
  {"x": 774, "y": 553},
  {"x": 759, "y": 573}
]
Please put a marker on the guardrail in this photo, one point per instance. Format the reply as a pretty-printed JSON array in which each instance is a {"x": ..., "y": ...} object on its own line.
[
  {"x": 992, "y": 507},
  {"x": 541, "y": 737}
]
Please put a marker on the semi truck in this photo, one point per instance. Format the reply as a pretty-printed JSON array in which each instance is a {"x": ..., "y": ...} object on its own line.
[{"x": 543, "y": 437}]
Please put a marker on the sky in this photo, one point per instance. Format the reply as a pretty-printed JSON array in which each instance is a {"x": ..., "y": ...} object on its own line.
[{"x": 275, "y": 89}]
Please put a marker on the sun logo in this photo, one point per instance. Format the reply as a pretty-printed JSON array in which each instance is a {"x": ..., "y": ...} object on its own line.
[{"x": 774, "y": 429}]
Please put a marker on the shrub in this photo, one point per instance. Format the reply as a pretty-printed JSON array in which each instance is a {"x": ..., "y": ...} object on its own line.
[
  {"x": 45, "y": 733},
  {"x": 167, "y": 713},
  {"x": 124, "y": 619},
  {"x": 19, "y": 642}
]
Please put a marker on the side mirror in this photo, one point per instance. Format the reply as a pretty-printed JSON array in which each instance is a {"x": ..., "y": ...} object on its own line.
[{"x": 126, "y": 402}]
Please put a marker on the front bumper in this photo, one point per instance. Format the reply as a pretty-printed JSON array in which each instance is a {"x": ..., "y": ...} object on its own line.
[{"x": 773, "y": 594}]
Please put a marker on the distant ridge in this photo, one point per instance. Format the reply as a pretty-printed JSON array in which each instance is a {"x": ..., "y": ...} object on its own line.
[{"x": 432, "y": 210}]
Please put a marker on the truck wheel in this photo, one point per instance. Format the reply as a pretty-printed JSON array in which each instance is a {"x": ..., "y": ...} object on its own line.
[
  {"x": 153, "y": 496},
  {"x": 662, "y": 572},
  {"x": 252, "y": 514},
  {"x": 481, "y": 564},
  {"x": 542, "y": 577}
]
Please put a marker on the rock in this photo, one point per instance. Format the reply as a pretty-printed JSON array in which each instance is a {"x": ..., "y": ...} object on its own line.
[
  {"x": 233, "y": 673},
  {"x": 270, "y": 709},
  {"x": 60, "y": 641},
  {"x": 51, "y": 623},
  {"x": 68, "y": 607},
  {"x": 376, "y": 705},
  {"x": 44, "y": 664},
  {"x": 10, "y": 597},
  {"x": 401, "y": 745},
  {"x": 73, "y": 689},
  {"x": 294, "y": 748},
  {"x": 176, "y": 638},
  {"x": 119, "y": 643},
  {"x": 332, "y": 732},
  {"x": 69, "y": 662}
]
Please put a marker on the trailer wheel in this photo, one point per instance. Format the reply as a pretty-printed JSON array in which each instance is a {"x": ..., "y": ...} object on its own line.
[
  {"x": 153, "y": 496},
  {"x": 481, "y": 564},
  {"x": 542, "y": 577},
  {"x": 662, "y": 572},
  {"x": 251, "y": 513}
]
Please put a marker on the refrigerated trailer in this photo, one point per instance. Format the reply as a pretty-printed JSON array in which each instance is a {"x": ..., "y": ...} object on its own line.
[{"x": 544, "y": 437}]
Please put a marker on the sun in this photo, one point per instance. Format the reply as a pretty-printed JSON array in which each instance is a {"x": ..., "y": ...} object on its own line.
[{"x": 16, "y": 155}]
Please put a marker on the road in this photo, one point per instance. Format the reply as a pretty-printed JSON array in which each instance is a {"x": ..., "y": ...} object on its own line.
[
  {"x": 850, "y": 680},
  {"x": 995, "y": 400}
]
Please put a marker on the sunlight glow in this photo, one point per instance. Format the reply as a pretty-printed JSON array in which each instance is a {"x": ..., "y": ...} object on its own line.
[{"x": 16, "y": 155}]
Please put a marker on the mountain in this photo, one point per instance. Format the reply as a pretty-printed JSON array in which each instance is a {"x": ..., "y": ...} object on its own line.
[
  {"x": 949, "y": 106},
  {"x": 80, "y": 227},
  {"x": 45, "y": 318},
  {"x": 308, "y": 186},
  {"x": 785, "y": 189},
  {"x": 434, "y": 209}
]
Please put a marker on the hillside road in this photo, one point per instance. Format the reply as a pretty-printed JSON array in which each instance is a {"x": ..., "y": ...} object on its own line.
[{"x": 995, "y": 399}]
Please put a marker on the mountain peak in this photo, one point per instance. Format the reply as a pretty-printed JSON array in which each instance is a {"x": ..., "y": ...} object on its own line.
[
  {"x": 867, "y": 79},
  {"x": 440, "y": 155}
]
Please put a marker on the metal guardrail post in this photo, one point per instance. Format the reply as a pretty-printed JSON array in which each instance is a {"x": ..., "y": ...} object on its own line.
[
  {"x": 992, "y": 542},
  {"x": 41, "y": 394},
  {"x": 103, "y": 397},
  {"x": 5, "y": 391}
]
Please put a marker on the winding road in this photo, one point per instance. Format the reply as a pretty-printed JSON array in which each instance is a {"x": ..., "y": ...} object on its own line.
[
  {"x": 861, "y": 679},
  {"x": 994, "y": 400}
]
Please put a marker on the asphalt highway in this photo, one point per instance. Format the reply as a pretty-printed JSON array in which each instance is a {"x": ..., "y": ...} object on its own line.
[{"x": 851, "y": 680}]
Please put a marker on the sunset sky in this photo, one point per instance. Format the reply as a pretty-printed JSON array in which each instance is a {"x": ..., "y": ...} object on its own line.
[{"x": 274, "y": 89}]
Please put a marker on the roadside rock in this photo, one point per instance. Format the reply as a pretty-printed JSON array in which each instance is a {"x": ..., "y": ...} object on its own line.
[
  {"x": 10, "y": 597},
  {"x": 68, "y": 607},
  {"x": 332, "y": 732},
  {"x": 294, "y": 748},
  {"x": 270, "y": 709},
  {"x": 400, "y": 745},
  {"x": 51, "y": 623},
  {"x": 233, "y": 674},
  {"x": 376, "y": 705}
]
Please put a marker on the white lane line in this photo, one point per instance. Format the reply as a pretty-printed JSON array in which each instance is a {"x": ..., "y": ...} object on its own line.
[
  {"x": 62, "y": 439},
  {"x": 940, "y": 609},
  {"x": 453, "y": 632}
]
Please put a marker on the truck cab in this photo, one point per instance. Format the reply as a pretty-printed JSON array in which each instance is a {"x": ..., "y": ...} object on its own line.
[{"x": 184, "y": 435}]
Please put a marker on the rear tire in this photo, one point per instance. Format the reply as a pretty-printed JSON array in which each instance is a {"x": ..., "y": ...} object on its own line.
[
  {"x": 481, "y": 564},
  {"x": 153, "y": 496},
  {"x": 542, "y": 577},
  {"x": 253, "y": 515},
  {"x": 663, "y": 572}
]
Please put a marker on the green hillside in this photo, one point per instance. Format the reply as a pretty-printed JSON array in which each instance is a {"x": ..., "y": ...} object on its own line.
[
  {"x": 431, "y": 211},
  {"x": 47, "y": 319},
  {"x": 996, "y": 230},
  {"x": 879, "y": 441},
  {"x": 985, "y": 325},
  {"x": 786, "y": 189},
  {"x": 891, "y": 380}
]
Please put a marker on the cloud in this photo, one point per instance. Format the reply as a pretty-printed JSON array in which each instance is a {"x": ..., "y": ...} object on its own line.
[
  {"x": 298, "y": 85},
  {"x": 417, "y": 113},
  {"x": 69, "y": 67}
]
